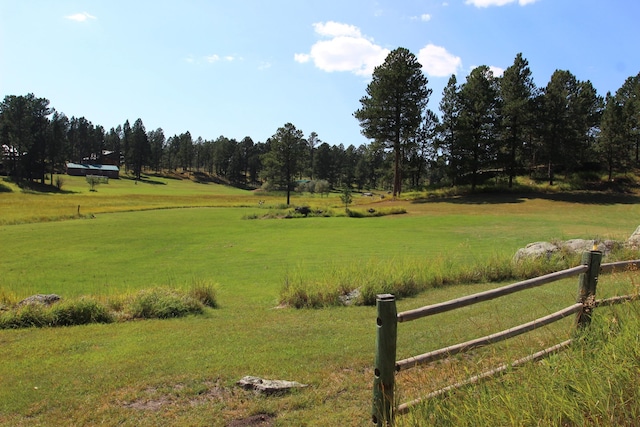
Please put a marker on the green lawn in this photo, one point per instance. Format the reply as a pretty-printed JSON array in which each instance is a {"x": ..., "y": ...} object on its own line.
[{"x": 181, "y": 372}]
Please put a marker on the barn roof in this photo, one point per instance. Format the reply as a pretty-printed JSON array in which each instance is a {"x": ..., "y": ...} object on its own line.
[{"x": 92, "y": 167}]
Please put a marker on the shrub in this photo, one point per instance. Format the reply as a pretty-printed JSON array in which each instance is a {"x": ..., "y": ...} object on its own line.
[{"x": 59, "y": 182}]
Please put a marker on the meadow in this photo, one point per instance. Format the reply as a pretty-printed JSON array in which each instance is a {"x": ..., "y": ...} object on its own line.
[{"x": 128, "y": 236}]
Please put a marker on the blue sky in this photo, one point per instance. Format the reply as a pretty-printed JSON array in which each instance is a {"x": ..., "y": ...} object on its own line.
[{"x": 246, "y": 67}]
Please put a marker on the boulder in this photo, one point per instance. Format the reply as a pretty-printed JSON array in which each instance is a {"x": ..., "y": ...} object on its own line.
[
  {"x": 579, "y": 245},
  {"x": 536, "y": 250},
  {"x": 539, "y": 249},
  {"x": 268, "y": 387},
  {"x": 44, "y": 299},
  {"x": 634, "y": 240}
]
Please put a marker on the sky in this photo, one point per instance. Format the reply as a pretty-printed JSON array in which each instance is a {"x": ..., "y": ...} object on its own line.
[{"x": 238, "y": 68}]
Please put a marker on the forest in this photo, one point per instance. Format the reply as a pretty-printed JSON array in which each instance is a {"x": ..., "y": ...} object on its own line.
[{"x": 487, "y": 127}]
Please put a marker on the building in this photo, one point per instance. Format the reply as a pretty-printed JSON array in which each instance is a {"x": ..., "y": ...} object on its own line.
[{"x": 83, "y": 169}]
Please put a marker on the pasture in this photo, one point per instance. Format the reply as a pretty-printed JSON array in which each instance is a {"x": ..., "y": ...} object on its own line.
[{"x": 169, "y": 232}]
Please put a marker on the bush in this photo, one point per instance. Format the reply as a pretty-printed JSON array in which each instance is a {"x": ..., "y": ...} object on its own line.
[{"x": 59, "y": 182}]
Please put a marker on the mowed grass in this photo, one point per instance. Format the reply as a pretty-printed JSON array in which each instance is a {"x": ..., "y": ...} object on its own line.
[
  {"x": 182, "y": 371},
  {"x": 76, "y": 200}
]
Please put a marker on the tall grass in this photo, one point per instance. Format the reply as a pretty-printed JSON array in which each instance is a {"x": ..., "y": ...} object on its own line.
[
  {"x": 154, "y": 303},
  {"x": 407, "y": 277},
  {"x": 594, "y": 383}
]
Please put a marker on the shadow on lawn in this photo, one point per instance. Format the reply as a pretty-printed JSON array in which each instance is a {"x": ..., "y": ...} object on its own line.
[
  {"x": 587, "y": 198},
  {"x": 4, "y": 188},
  {"x": 145, "y": 180},
  {"x": 39, "y": 188}
]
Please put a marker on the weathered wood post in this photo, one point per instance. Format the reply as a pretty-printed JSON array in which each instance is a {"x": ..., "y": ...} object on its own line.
[
  {"x": 385, "y": 363},
  {"x": 587, "y": 289}
]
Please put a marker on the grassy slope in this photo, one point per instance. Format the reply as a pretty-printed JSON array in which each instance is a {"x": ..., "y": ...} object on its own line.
[{"x": 187, "y": 367}]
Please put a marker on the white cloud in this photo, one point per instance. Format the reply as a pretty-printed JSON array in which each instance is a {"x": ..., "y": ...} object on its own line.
[
  {"x": 437, "y": 62},
  {"x": 488, "y": 3},
  {"x": 80, "y": 17},
  {"x": 302, "y": 57},
  {"x": 336, "y": 29},
  {"x": 425, "y": 17},
  {"x": 215, "y": 58},
  {"x": 497, "y": 71},
  {"x": 345, "y": 50}
]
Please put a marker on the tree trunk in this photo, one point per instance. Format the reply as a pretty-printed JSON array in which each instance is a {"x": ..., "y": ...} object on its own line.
[{"x": 396, "y": 169}]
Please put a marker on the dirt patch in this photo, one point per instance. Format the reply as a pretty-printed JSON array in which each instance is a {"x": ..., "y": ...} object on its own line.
[
  {"x": 261, "y": 420},
  {"x": 148, "y": 405},
  {"x": 155, "y": 399}
]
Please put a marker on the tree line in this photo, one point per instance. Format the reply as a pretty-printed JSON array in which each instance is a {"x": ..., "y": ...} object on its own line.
[{"x": 498, "y": 126}]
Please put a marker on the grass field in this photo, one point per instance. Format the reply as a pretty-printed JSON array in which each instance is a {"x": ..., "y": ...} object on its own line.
[{"x": 182, "y": 371}]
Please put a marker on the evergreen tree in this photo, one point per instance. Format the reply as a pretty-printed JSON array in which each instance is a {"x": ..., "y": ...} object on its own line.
[
  {"x": 282, "y": 160},
  {"x": 628, "y": 96},
  {"x": 392, "y": 109},
  {"x": 478, "y": 121},
  {"x": 450, "y": 106},
  {"x": 23, "y": 129},
  {"x": 140, "y": 148},
  {"x": 517, "y": 91},
  {"x": 612, "y": 140}
]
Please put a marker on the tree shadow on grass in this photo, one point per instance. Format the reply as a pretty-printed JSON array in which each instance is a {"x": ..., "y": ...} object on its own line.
[
  {"x": 4, "y": 188},
  {"x": 586, "y": 198},
  {"x": 145, "y": 180},
  {"x": 39, "y": 188}
]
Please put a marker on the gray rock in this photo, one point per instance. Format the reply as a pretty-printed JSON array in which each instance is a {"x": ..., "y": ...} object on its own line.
[
  {"x": 578, "y": 245},
  {"x": 350, "y": 298},
  {"x": 268, "y": 387},
  {"x": 44, "y": 299},
  {"x": 536, "y": 250},
  {"x": 539, "y": 249},
  {"x": 634, "y": 240}
]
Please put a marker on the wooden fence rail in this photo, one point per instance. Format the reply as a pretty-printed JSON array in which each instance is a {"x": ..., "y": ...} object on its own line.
[{"x": 386, "y": 366}]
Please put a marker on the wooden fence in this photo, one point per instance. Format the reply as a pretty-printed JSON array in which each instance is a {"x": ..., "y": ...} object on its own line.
[{"x": 386, "y": 365}]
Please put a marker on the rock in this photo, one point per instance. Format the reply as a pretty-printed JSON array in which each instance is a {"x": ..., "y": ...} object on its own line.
[
  {"x": 578, "y": 245},
  {"x": 268, "y": 387},
  {"x": 44, "y": 299},
  {"x": 536, "y": 250},
  {"x": 350, "y": 297},
  {"x": 634, "y": 240}
]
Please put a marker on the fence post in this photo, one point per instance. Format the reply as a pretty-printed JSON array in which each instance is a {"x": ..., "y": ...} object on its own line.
[
  {"x": 587, "y": 290},
  {"x": 385, "y": 363}
]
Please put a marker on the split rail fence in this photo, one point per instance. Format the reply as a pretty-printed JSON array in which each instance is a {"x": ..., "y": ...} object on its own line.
[{"x": 386, "y": 365}]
